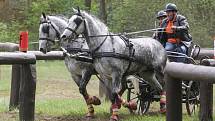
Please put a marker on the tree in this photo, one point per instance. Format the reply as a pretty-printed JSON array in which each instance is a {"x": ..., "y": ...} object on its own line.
[
  {"x": 102, "y": 11},
  {"x": 88, "y": 5}
]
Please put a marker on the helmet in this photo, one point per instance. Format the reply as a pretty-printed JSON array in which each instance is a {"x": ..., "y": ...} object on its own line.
[
  {"x": 161, "y": 14},
  {"x": 171, "y": 7}
]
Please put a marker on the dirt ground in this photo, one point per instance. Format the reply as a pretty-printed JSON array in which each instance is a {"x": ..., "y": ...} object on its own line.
[{"x": 55, "y": 89}]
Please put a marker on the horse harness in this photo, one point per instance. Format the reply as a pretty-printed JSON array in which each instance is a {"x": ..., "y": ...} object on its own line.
[
  {"x": 129, "y": 57},
  {"x": 46, "y": 30},
  {"x": 94, "y": 54}
]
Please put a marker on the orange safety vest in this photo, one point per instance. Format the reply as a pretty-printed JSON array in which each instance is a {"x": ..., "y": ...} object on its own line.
[{"x": 170, "y": 31}]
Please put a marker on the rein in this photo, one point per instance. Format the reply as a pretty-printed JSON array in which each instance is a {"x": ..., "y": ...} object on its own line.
[{"x": 129, "y": 33}]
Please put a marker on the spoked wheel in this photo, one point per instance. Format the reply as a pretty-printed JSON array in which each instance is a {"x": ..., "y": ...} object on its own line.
[
  {"x": 192, "y": 97},
  {"x": 141, "y": 98}
]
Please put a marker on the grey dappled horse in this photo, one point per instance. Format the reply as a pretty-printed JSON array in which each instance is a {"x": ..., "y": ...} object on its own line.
[
  {"x": 51, "y": 27},
  {"x": 148, "y": 59}
]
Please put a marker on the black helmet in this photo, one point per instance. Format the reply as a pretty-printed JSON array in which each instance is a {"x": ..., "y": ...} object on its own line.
[
  {"x": 171, "y": 7},
  {"x": 161, "y": 14}
]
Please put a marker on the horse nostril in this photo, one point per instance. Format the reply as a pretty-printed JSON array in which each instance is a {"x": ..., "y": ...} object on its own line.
[
  {"x": 41, "y": 49},
  {"x": 63, "y": 36}
]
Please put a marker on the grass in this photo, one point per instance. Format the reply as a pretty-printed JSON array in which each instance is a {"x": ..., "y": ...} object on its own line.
[{"x": 58, "y": 98}]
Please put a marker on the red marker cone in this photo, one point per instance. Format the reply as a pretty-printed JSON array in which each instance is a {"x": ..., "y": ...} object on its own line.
[{"x": 23, "y": 41}]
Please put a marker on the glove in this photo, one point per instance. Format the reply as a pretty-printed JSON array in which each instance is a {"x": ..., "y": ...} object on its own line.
[{"x": 174, "y": 28}]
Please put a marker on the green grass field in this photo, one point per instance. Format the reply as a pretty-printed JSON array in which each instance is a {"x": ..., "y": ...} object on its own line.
[{"x": 58, "y": 98}]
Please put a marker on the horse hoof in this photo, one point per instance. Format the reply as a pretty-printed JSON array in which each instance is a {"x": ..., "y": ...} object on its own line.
[
  {"x": 114, "y": 118},
  {"x": 89, "y": 117},
  {"x": 132, "y": 105},
  {"x": 95, "y": 100}
]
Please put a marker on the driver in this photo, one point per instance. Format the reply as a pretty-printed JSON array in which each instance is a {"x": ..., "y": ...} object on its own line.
[{"x": 176, "y": 28}]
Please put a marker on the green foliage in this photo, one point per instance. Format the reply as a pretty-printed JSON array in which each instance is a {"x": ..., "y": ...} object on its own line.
[
  {"x": 136, "y": 15},
  {"x": 123, "y": 16},
  {"x": 9, "y": 32},
  {"x": 50, "y": 7}
]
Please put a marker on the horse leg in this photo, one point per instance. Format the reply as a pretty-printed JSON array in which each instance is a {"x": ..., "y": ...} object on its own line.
[
  {"x": 90, "y": 100},
  {"x": 150, "y": 76},
  {"x": 160, "y": 77},
  {"x": 124, "y": 86},
  {"x": 132, "y": 105},
  {"x": 79, "y": 81},
  {"x": 115, "y": 98},
  {"x": 86, "y": 75}
]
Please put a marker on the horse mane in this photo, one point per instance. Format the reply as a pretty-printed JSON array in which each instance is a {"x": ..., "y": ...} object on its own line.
[
  {"x": 61, "y": 16},
  {"x": 53, "y": 17},
  {"x": 93, "y": 18}
]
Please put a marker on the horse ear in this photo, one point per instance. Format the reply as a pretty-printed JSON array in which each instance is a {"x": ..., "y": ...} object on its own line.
[
  {"x": 75, "y": 10},
  {"x": 79, "y": 12},
  {"x": 44, "y": 15}
]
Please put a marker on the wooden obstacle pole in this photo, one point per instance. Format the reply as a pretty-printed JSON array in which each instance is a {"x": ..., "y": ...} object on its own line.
[
  {"x": 191, "y": 72},
  {"x": 179, "y": 71},
  {"x": 17, "y": 58},
  {"x": 9, "y": 47},
  {"x": 53, "y": 55},
  {"x": 206, "y": 52}
]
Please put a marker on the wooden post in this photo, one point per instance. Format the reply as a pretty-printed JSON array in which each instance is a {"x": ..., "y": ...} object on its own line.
[
  {"x": 174, "y": 99},
  {"x": 14, "y": 90},
  {"x": 15, "y": 80},
  {"x": 27, "y": 84},
  {"x": 206, "y": 96},
  {"x": 27, "y": 92},
  {"x": 206, "y": 102}
]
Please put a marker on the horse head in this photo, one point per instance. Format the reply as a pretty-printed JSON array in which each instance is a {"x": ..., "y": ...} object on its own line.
[
  {"x": 48, "y": 32},
  {"x": 76, "y": 26}
]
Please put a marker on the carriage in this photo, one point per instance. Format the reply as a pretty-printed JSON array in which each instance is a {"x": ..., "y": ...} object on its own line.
[{"x": 145, "y": 95}]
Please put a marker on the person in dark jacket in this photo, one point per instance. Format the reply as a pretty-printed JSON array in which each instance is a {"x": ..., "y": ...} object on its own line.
[
  {"x": 161, "y": 15},
  {"x": 176, "y": 36}
]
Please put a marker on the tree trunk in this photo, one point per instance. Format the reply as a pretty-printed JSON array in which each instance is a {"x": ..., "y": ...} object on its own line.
[
  {"x": 102, "y": 11},
  {"x": 88, "y": 5}
]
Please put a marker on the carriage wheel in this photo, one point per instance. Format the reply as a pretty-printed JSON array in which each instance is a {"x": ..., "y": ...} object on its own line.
[
  {"x": 141, "y": 99},
  {"x": 192, "y": 97}
]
